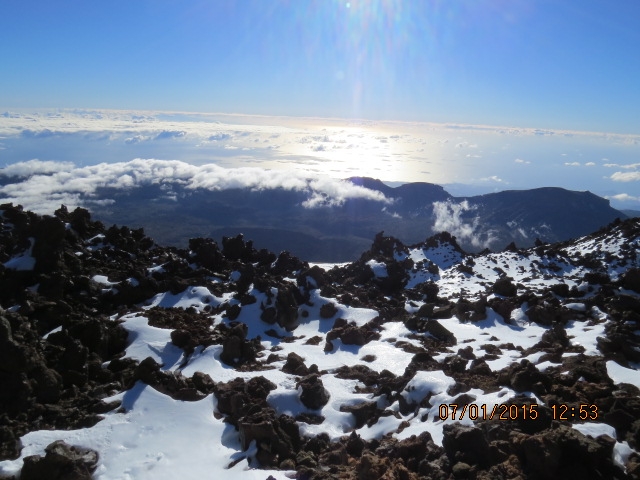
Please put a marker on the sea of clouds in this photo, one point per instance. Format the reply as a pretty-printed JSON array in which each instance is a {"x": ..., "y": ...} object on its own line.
[
  {"x": 65, "y": 156},
  {"x": 43, "y": 186}
]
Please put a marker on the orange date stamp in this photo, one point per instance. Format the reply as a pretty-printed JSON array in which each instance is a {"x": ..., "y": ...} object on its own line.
[{"x": 503, "y": 411}]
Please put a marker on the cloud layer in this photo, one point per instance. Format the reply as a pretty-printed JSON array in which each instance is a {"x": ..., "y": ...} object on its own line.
[
  {"x": 449, "y": 218},
  {"x": 476, "y": 158},
  {"x": 44, "y": 186}
]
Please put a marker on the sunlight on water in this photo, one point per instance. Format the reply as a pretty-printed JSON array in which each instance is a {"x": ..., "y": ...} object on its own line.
[{"x": 467, "y": 159}]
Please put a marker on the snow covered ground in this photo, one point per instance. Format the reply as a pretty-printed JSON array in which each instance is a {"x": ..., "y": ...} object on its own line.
[{"x": 153, "y": 436}]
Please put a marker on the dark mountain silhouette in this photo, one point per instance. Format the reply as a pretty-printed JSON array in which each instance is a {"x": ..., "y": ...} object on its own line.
[{"x": 277, "y": 219}]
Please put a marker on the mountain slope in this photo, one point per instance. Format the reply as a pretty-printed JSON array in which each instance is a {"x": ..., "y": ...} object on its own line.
[
  {"x": 227, "y": 360},
  {"x": 336, "y": 229},
  {"x": 551, "y": 213}
]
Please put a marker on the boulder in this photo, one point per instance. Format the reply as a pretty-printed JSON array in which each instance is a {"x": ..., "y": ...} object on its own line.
[
  {"x": 463, "y": 443},
  {"x": 295, "y": 365},
  {"x": 207, "y": 253},
  {"x": 436, "y": 330},
  {"x": 504, "y": 286},
  {"x": 313, "y": 395},
  {"x": 328, "y": 310},
  {"x": 631, "y": 279},
  {"x": 61, "y": 462}
]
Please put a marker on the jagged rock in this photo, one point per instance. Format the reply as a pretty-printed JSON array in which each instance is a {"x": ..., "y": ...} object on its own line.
[
  {"x": 471, "y": 311},
  {"x": 435, "y": 328},
  {"x": 504, "y": 286},
  {"x": 455, "y": 363},
  {"x": 311, "y": 278},
  {"x": 203, "y": 382},
  {"x": 545, "y": 314},
  {"x": 355, "y": 445},
  {"x": 232, "y": 397},
  {"x": 313, "y": 394},
  {"x": 182, "y": 339},
  {"x": 235, "y": 248},
  {"x": 104, "y": 338},
  {"x": 49, "y": 235},
  {"x": 511, "y": 248},
  {"x": 351, "y": 334},
  {"x": 147, "y": 371},
  {"x": 631, "y": 279},
  {"x": 287, "y": 307},
  {"x": 561, "y": 289},
  {"x": 430, "y": 290},
  {"x": 623, "y": 307},
  {"x": 5, "y": 330},
  {"x": 233, "y": 311},
  {"x": 14, "y": 357},
  {"x": 9, "y": 443},
  {"x": 556, "y": 336},
  {"x": 277, "y": 438},
  {"x": 287, "y": 264},
  {"x": 525, "y": 377},
  {"x": 48, "y": 384},
  {"x": 61, "y": 462},
  {"x": 269, "y": 315},
  {"x": 336, "y": 455},
  {"x": 207, "y": 253},
  {"x": 565, "y": 452},
  {"x": 387, "y": 246},
  {"x": 396, "y": 277},
  {"x": 236, "y": 348},
  {"x": 443, "y": 312},
  {"x": 328, "y": 310},
  {"x": 363, "y": 412},
  {"x": 295, "y": 365},
  {"x": 503, "y": 307},
  {"x": 465, "y": 444}
]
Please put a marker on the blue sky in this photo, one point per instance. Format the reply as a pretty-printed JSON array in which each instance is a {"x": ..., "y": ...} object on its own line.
[{"x": 546, "y": 64}]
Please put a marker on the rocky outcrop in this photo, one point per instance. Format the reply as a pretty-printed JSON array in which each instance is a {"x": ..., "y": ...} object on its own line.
[{"x": 61, "y": 462}]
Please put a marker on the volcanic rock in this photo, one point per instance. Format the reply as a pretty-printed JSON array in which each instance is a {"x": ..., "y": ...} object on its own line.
[
  {"x": 313, "y": 394},
  {"x": 61, "y": 462}
]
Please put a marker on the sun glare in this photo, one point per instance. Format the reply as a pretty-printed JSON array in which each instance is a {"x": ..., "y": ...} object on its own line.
[{"x": 346, "y": 151}]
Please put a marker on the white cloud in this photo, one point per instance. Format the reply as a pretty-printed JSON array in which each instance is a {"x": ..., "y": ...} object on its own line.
[
  {"x": 590, "y": 164},
  {"x": 218, "y": 137},
  {"x": 334, "y": 147},
  {"x": 626, "y": 166},
  {"x": 136, "y": 139},
  {"x": 626, "y": 176},
  {"x": 31, "y": 167},
  {"x": 165, "y": 134},
  {"x": 46, "y": 185},
  {"x": 572, "y": 164},
  {"x": 448, "y": 218},
  {"x": 492, "y": 179},
  {"x": 625, "y": 197}
]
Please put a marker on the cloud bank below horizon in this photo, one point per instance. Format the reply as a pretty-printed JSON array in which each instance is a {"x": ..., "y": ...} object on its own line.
[
  {"x": 467, "y": 159},
  {"x": 42, "y": 186}
]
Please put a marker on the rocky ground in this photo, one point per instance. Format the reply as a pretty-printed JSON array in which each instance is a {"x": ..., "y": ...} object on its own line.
[{"x": 73, "y": 292}]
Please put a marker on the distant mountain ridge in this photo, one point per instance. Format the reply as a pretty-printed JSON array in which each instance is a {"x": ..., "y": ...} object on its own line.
[
  {"x": 333, "y": 221},
  {"x": 279, "y": 219}
]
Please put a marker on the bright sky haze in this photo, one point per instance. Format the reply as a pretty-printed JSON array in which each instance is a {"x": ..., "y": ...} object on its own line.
[{"x": 488, "y": 94}]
